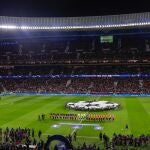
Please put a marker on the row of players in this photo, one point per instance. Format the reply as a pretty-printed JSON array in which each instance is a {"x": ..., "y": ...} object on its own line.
[{"x": 86, "y": 117}]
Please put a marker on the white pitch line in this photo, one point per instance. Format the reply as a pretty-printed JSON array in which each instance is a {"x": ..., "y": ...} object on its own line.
[
  {"x": 88, "y": 137},
  {"x": 76, "y": 128},
  {"x": 79, "y": 124}
]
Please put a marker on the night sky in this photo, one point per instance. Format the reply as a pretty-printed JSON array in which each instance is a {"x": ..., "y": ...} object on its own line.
[{"x": 60, "y": 8}]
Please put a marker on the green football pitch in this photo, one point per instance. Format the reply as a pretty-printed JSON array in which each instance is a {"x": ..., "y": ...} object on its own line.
[{"x": 23, "y": 111}]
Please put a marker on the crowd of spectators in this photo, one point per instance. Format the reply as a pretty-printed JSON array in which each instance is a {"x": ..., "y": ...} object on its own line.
[
  {"x": 38, "y": 56},
  {"x": 87, "y": 147},
  {"x": 19, "y": 139},
  {"x": 26, "y": 139},
  {"x": 73, "y": 69},
  {"x": 77, "y": 50},
  {"x": 118, "y": 141},
  {"x": 78, "y": 85},
  {"x": 71, "y": 58},
  {"x": 130, "y": 140}
]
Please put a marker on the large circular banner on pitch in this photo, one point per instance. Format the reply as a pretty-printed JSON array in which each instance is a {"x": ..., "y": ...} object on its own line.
[{"x": 92, "y": 105}]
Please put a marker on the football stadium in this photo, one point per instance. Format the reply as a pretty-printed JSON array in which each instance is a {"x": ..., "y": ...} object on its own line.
[{"x": 75, "y": 83}]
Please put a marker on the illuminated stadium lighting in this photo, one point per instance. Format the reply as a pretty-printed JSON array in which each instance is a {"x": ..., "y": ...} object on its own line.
[
  {"x": 13, "y": 27},
  {"x": 8, "y": 27}
]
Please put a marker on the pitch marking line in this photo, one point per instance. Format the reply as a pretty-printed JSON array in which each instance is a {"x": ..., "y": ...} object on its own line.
[
  {"x": 79, "y": 124},
  {"x": 88, "y": 137}
]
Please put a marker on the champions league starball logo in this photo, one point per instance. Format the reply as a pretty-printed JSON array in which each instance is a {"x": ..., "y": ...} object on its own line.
[{"x": 92, "y": 105}]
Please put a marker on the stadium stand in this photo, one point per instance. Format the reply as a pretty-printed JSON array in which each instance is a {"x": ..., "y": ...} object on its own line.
[
  {"x": 38, "y": 65},
  {"x": 76, "y": 51},
  {"x": 78, "y": 85}
]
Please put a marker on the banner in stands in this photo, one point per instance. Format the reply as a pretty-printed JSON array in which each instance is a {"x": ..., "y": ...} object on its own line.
[{"x": 76, "y": 76}]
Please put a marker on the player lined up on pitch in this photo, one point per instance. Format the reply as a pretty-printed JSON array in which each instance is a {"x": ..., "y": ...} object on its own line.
[{"x": 82, "y": 116}]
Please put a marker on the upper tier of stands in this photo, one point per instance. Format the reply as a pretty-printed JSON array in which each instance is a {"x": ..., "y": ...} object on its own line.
[{"x": 83, "y": 50}]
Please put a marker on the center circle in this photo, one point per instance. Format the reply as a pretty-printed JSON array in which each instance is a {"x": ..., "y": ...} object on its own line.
[{"x": 92, "y": 105}]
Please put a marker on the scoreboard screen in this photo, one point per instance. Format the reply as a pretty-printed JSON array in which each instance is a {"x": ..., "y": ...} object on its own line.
[{"x": 106, "y": 39}]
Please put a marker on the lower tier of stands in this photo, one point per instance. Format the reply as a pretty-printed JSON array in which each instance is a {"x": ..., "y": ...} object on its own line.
[{"x": 77, "y": 85}]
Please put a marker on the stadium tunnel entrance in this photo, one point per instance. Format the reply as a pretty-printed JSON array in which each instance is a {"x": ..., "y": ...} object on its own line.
[{"x": 58, "y": 138}]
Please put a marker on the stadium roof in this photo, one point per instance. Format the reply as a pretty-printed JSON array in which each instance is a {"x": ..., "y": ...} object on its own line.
[{"x": 136, "y": 20}]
